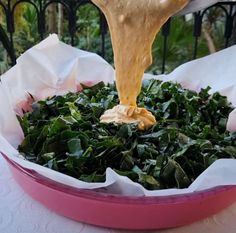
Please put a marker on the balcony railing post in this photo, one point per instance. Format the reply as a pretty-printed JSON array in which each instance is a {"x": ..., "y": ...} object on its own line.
[
  {"x": 41, "y": 20},
  {"x": 11, "y": 30},
  {"x": 197, "y": 30},
  {"x": 103, "y": 30},
  {"x": 165, "y": 34},
  {"x": 72, "y": 25},
  {"x": 229, "y": 25}
]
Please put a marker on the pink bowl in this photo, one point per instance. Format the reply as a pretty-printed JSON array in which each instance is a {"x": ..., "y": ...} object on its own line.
[{"x": 123, "y": 212}]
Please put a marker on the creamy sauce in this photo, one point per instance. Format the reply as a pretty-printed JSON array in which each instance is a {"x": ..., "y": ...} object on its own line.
[{"x": 133, "y": 26}]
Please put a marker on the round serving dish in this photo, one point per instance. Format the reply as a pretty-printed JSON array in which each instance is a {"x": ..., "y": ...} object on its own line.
[{"x": 123, "y": 212}]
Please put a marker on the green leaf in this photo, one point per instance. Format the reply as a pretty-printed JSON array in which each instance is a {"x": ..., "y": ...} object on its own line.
[
  {"x": 48, "y": 156},
  {"x": 75, "y": 148},
  {"x": 149, "y": 182},
  {"x": 127, "y": 162},
  {"x": 64, "y": 133},
  {"x": 230, "y": 150},
  {"x": 94, "y": 177},
  {"x": 41, "y": 139},
  {"x": 56, "y": 126},
  {"x": 130, "y": 174},
  {"x": 154, "y": 135},
  {"x": 75, "y": 113},
  {"x": 173, "y": 174},
  {"x": 125, "y": 131},
  {"x": 24, "y": 123},
  {"x": 53, "y": 164}
]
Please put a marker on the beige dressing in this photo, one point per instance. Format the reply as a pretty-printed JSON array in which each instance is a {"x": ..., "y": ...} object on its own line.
[{"x": 133, "y": 26}]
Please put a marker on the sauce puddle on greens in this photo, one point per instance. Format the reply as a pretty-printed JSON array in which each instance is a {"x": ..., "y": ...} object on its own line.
[{"x": 64, "y": 133}]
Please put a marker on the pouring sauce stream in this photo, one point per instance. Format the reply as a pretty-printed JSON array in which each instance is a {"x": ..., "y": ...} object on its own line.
[{"x": 133, "y": 25}]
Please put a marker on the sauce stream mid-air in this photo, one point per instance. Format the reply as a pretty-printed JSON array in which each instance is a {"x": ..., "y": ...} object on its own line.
[{"x": 133, "y": 26}]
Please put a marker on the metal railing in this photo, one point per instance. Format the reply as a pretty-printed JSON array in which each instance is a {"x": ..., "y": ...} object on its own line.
[{"x": 71, "y": 7}]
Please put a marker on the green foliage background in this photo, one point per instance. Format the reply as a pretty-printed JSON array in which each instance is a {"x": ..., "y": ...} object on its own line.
[{"x": 88, "y": 37}]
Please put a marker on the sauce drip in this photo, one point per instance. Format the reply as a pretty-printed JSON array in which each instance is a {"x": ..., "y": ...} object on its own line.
[{"x": 133, "y": 26}]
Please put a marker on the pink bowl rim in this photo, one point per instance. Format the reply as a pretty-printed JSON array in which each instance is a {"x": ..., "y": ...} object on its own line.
[{"x": 116, "y": 198}]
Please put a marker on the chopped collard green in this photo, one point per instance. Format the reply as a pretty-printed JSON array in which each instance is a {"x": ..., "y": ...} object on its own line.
[{"x": 64, "y": 133}]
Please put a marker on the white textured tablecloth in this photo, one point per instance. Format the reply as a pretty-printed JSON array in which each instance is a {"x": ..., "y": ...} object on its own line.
[{"x": 20, "y": 214}]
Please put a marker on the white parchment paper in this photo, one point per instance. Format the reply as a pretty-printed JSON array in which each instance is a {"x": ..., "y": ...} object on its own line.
[{"x": 52, "y": 68}]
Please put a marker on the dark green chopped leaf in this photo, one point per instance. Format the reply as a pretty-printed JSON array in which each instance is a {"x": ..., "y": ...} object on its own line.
[
  {"x": 93, "y": 177},
  {"x": 48, "y": 156},
  {"x": 56, "y": 126},
  {"x": 127, "y": 162},
  {"x": 125, "y": 131},
  {"x": 74, "y": 111},
  {"x": 131, "y": 174},
  {"x": 64, "y": 133},
  {"x": 52, "y": 164},
  {"x": 75, "y": 148},
  {"x": 230, "y": 150},
  {"x": 149, "y": 182}
]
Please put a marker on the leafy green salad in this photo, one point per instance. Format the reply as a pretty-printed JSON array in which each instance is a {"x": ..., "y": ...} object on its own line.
[{"x": 64, "y": 133}]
